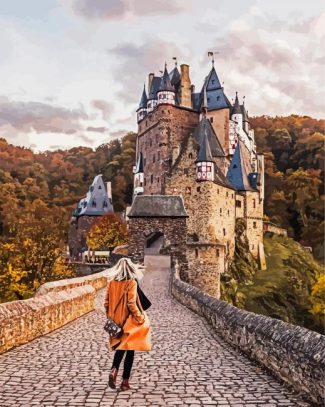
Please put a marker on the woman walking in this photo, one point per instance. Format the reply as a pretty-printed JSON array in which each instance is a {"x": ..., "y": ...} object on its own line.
[{"x": 123, "y": 306}]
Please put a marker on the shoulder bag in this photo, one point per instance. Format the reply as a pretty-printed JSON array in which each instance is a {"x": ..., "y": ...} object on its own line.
[{"x": 114, "y": 330}]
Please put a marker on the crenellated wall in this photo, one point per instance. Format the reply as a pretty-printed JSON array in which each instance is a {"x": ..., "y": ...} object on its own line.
[
  {"x": 54, "y": 305},
  {"x": 294, "y": 354}
]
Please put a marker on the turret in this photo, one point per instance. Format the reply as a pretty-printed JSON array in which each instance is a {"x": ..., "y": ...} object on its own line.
[
  {"x": 139, "y": 176},
  {"x": 186, "y": 90},
  {"x": 245, "y": 118},
  {"x": 142, "y": 109},
  {"x": 236, "y": 113},
  {"x": 166, "y": 92},
  {"x": 204, "y": 162},
  {"x": 204, "y": 106}
]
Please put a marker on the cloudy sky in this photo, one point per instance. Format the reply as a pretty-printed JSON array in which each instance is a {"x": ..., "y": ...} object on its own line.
[{"x": 72, "y": 71}]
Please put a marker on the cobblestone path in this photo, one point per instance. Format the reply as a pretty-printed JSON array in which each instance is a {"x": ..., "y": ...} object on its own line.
[{"x": 188, "y": 366}]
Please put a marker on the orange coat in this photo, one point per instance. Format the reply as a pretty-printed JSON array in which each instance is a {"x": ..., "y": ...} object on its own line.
[{"x": 136, "y": 328}]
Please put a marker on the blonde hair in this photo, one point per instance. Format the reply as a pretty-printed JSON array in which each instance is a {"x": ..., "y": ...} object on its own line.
[{"x": 125, "y": 269}]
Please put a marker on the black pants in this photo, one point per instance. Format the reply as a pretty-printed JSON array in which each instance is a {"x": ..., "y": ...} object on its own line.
[{"x": 128, "y": 361}]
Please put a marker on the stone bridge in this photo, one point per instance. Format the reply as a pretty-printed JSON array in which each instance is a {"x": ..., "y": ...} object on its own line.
[{"x": 190, "y": 365}]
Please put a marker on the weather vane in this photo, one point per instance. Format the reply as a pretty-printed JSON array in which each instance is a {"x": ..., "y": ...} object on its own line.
[{"x": 212, "y": 54}]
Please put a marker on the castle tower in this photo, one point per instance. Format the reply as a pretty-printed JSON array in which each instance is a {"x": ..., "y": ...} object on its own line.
[
  {"x": 142, "y": 109},
  {"x": 204, "y": 161},
  {"x": 166, "y": 92},
  {"x": 248, "y": 187},
  {"x": 236, "y": 113}
]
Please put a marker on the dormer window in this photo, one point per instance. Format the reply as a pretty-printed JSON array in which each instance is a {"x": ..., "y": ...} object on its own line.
[
  {"x": 99, "y": 187},
  {"x": 94, "y": 204},
  {"x": 105, "y": 204}
]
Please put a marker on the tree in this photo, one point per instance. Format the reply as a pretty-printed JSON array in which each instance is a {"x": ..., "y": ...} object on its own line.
[
  {"x": 108, "y": 232},
  {"x": 317, "y": 297}
]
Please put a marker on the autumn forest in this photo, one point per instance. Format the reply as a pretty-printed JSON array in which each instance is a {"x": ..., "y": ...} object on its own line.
[{"x": 39, "y": 190}]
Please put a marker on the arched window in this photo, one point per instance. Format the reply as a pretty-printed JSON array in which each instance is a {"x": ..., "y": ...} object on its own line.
[
  {"x": 196, "y": 253},
  {"x": 190, "y": 155}
]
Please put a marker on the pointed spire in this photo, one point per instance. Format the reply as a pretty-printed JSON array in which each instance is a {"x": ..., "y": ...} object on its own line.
[
  {"x": 165, "y": 82},
  {"x": 205, "y": 150},
  {"x": 144, "y": 99},
  {"x": 236, "y": 107}
]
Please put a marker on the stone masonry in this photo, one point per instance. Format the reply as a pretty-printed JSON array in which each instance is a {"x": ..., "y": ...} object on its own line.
[{"x": 188, "y": 366}]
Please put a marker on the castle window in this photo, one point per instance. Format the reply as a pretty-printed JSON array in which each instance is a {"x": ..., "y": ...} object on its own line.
[
  {"x": 232, "y": 195},
  {"x": 212, "y": 81},
  {"x": 218, "y": 253},
  {"x": 220, "y": 210},
  {"x": 196, "y": 253},
  {"x": 151, "y": 178},
  {"x": 218, "y": 97},
  {"x": 238, "y": 203},
  {"x": 227, "y": 193},
  {"x": 208, "y": 100},
  {"x": 224, "y": 231},
  {"x": 190, "y": 155},
  {"x": 99, "y": 187},
  {"x": 209, "y": 168},
  {"x": 228, "y": 211},
  {"x": 141, "y": 184},
  {"x": 105, "y": 204},
  {"x": 234, "y": 166},
  {"x": 185, "y": 171},
  {"x": 158, "y": 180},
  {"x": 254, "y": 203},
  {"x": 217, "y": 191},
  {"x": 188, "y": 190},
  {"x": 94, "y": 204},
  {"x": 198, "y": 189},
  {"x": 211, "y": 119},
  {"x": 254, "y": 225}
]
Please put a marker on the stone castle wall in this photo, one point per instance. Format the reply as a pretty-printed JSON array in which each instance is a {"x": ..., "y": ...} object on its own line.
[
  {"x": 220, "y": 124},
  {"x": 254, "y": 221},
  {"x": 159, "y": 137},
  {"x": 54, "y": 305},
  {"x": 294, "y": 354}
]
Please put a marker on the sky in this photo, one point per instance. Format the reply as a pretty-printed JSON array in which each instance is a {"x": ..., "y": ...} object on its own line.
[{"x": 72, "y": 71}]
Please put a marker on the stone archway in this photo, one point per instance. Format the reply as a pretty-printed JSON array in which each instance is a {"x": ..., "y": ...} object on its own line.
[{"x": 153, "y": 216}]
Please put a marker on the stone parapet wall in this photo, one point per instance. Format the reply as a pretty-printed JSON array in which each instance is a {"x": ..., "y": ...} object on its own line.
[
  {"x": 23, "y": 321},
  {"x": 97, "y": 281},
  {"x": 294, "y": 354}
]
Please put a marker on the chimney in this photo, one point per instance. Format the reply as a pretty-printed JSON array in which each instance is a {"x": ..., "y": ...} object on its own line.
[
  {"x": 109, "y": 190},
  {"x": 150, "y": 78},
  {"x": 186, "y": 99}
]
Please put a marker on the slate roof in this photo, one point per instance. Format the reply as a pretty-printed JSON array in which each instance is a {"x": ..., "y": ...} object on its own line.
[
  {"x": 203, "y": 127},
  {"x": 96, "y": 202},
  {"x": 220, "y": 178},
  {"x": 240, "y": 168},
  {"x": 154, "y": 87},
  {"x": 162, "y": 206},
  {"x": 140, "y": 167},
  {"x": 215, "y": 95},
  {"x": 204, "y": 149},
  {"x": 144, "y": 99},
  {"x": 175, "y": 76},
  {"x": 165, "y": 84},
  {"x": 236, "y": 109},
  {"x": 244, "y": 113}
]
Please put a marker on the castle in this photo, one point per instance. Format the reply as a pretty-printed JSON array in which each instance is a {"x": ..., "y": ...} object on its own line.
[{"x": 196, "y": 149}]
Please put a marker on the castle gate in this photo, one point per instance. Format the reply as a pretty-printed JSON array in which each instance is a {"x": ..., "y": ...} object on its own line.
[{"x": 157, "y": 223}]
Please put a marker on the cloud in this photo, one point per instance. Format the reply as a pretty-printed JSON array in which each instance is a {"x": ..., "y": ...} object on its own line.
[
  {"x": 97, "y": 129},
  {"x": 279, "y": 74},
  {"x": 105, "y": 108},
  {"x": 119, "y": 9},
  {"x": 39, "y": 117},
  {"x": 135, "y": 61}
]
